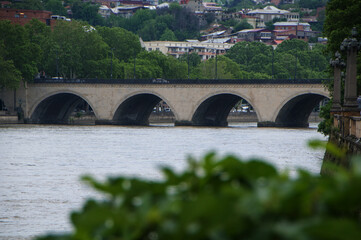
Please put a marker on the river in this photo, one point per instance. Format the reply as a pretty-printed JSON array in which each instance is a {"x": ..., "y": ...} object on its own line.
[{"x": 40, "y": 165}]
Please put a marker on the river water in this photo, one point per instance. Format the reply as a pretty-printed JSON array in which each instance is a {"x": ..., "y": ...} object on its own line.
[{"x": 40, "y": 165}]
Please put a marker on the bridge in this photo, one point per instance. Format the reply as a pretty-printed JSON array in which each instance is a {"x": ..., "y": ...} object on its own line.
[{"x": 277, "y": 102}]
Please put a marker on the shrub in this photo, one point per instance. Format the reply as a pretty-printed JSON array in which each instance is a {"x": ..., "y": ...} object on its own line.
[{"x": 223, "y": 199}]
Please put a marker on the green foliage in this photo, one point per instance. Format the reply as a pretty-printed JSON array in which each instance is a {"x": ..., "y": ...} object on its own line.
[
  {"x": 17, "y": 50},
  {"x": 291, "y": 59},
  {"x": 226, "y": 69},
  {"x": 152, "y": 25},
  {"x": 121, "y": 41},
  {"x": 312, "y": 4},
  {"x": 242, "y": 25},
  {"x": 326, "y": 125},
  {"x": 223, "y": 199},
  {"x": 87, "y": 11},
  {"x": 56, "y": 7},
  {"x": 27, "y": 4},
  {"x": 240, "y": 4},
  {"x": 341, "y": 17},
  {"x": 10, "y": 77}
]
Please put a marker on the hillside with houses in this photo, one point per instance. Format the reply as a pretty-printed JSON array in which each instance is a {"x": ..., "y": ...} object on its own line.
[{"x": 239, "y": 39}]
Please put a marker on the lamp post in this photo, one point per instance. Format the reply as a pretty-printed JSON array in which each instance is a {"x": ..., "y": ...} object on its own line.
[
  {"x": 351, "y": 46},
  {"x": 296, "y": 68},
  {"x": 190, "y": 48},
  {"x": 111, "y": 65},
  {"x": 337, "y": 64},
  {"x": 135, "y": 56},
  {"x": 216, "y": 74},
  {"x": 273, "y": 56},
  {"x": 57, "y": 63}
]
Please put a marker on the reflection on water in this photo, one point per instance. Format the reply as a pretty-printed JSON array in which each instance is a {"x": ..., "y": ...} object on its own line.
[{"x": 41, "y": 164}]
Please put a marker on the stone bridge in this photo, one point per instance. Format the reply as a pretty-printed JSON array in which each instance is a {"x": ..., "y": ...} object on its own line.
[{"x": 277, "y": 103}]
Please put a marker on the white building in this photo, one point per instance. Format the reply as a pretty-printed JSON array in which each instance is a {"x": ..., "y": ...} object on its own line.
[
  {"x": 270, "y": 12},
  {"x": 205, "y": 50}
]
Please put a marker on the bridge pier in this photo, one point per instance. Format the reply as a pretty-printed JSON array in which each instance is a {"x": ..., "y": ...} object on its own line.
[
  {"x": 183, "y": 123},
  {"x": 284, "y": 124}
]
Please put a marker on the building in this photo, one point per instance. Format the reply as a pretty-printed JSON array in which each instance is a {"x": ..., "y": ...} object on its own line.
[
  {"x": 195, "y": 6},
  {"x": 250, "y": 35},
  {"x": 299, "y": 30},
  {"x": 270, "y": 12},
  {"x": 23, "y": 16},
  {"x": 205, "y": 50}
]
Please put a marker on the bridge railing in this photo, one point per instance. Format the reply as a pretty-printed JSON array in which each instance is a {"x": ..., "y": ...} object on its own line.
[{"x": 181, "y": 81}]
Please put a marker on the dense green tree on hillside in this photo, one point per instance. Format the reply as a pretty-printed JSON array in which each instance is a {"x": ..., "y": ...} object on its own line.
[
  {"x": 10, "y": 77},
  {"x": 193, "y": 58},
  {"x": 291, "y": 59},
  {"x": 27, "y": 4},
  {"x": 87, "y": 11},
  {"x": 243, "y": 24},
  {"x": 55, "y": 6},
  {"x": 39, "y": 34},
  {"x": 240, "y": 4},
  {"x": 18, "y": 49},
  {"x": 151, "y": 25},
  {"x": 124, "y": 43},
  {"x": 171, "y": 67},
  {"x": 168, "y": 35},
  {"x": 243, "y": 52},
  {"x": 71, "y": 47},
  {"x": 312, "y": 4},
  {"x": 292, "y": 45}
]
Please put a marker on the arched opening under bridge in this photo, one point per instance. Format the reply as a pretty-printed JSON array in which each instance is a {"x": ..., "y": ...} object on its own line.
[
  {"x": 142, "y": 110},
  {"x": 221, "y": 109},
  {"x": 296, "y": 112},
  {"x": 63, "y": 108}
]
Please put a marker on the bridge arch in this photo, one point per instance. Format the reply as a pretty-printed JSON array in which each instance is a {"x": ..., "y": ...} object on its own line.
[
  {"x": 214, "y": 109},
  {"x": 56, "y": 107},
  {"x": 136, "y": 108},
  {"x": 295, "y": 110}
]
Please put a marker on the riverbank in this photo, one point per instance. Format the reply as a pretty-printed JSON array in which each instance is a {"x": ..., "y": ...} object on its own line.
[
  {"x": 8, "y": 118},
  {"x": 165, "y": 117}
]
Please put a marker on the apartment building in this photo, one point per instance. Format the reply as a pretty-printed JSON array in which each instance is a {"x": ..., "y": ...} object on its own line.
[
  {"x": 177, "y": 49},
  {"x": 270, "y": 12}
]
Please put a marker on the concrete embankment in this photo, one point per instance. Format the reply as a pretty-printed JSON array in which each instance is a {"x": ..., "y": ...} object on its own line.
[
  {"x": 164, "y": 117},
  {"x": 346, "y": 135},
  {"x": 8, "y": 118}
]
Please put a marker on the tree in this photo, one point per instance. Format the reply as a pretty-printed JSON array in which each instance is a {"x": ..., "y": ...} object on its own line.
[
  {"x": 170, "y": 67},
  {"x": 87, "y": 11},
  {"x": 27, "y": 4},
  {"x": 341, "y": 17},
  {"x": 292, "y": 46},
  {"x": 10, "y": 77},
  {"x": 56, "y": 7},
  {"x": 168, "y": 35},
  {"x": 243, "y": 24},
  {"x": 243, "y": 52},
  {"x": 312, "y": 4},
  {"x": 125, "y": 44},
  {"x": 39, "y": 34},
  {"x": 226, "y": 69},
  {"x": 18, "y": 49}
]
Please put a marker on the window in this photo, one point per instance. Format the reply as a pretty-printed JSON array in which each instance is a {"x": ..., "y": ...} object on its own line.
[
  {"x": 17, "y": 15},
  {"x": 149, "y": 49}
]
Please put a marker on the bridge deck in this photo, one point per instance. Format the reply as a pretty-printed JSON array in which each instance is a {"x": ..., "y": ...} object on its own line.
[{"x": 184, "y": 81}]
